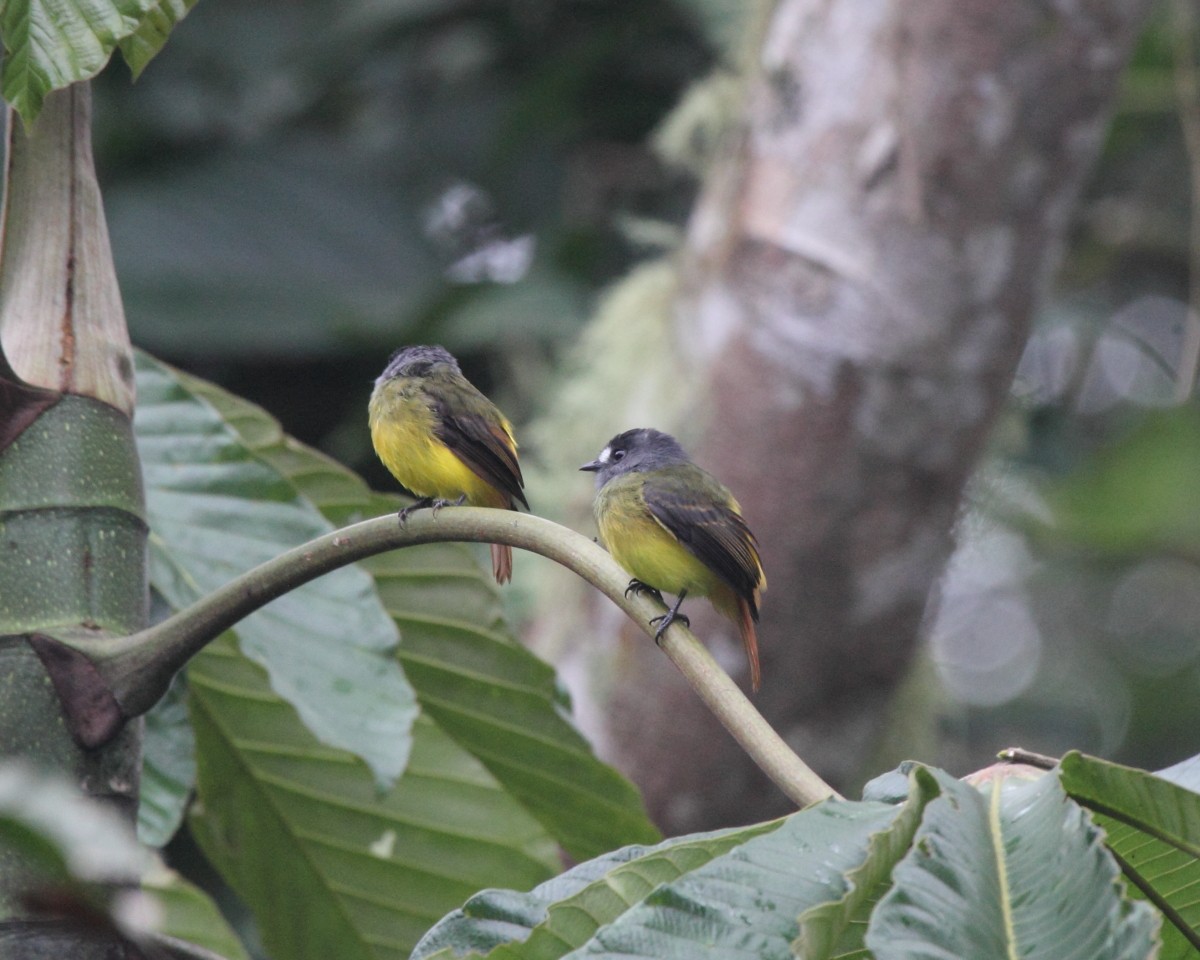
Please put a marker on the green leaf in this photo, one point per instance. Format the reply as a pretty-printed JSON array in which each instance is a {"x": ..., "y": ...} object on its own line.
[
  {"x": 837, "y": 927},
  {"x": 51, "y": 44},
  {"x": 216, "y": 510},
  {"x": 565, "y": 912},
  {"x": 141, "y": 46},
  {"x": 168, "y": 768},
  {"x": 499, "y": 701},
  {"x": 1012, "y": 870},
  {"x": 288, "y": 821},
  {"x": 1153, "y": 828},
  {"x": 748, "y": 902},
  {"x": 729, "y": 894},
  {"x": 190, "y": 915}
]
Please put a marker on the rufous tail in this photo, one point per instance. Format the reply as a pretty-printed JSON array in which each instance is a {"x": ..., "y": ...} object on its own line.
[
  {"x": 502, "y": 562},
  {"x": 750, "y": 642}
]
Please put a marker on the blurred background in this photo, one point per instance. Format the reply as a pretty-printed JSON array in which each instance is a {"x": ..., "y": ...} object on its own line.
[{"x": 292, "y": 196}]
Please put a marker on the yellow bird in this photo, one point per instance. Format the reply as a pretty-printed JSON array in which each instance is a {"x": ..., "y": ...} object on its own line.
[
  {"x": 675, "y": 527},
  {"x": 444, "y": 440}
]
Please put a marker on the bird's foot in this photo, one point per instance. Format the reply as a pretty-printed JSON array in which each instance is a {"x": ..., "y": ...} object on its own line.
[
  {"x": 668, "y": 618},
  {"x": 414, "y": 507},
  {"x": 636, "y": 587},
  {"x": 664, "y": 621},
  {"x": 437, "y": 505}
]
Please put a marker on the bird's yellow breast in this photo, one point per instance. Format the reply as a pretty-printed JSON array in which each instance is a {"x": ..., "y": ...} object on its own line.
[
  {"x": 402, "y": 432},
  {"x": 645, "y": 548}
]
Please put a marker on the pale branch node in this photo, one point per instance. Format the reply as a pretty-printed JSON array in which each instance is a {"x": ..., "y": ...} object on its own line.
[{"x": 122, "y": 677}]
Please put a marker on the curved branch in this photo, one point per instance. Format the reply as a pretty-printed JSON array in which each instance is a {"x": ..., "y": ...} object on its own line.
[{"x": 137, "y": 669}]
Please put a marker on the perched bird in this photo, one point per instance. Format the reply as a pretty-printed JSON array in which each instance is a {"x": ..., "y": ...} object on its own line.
[
  {"x": 444, "y": 440},
  {"x": 675, "y": 527}
]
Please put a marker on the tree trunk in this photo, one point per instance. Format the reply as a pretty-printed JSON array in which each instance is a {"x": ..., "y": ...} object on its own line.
[
  {"x": 856, "y": 288},
  {"x": 72, "y": 527}
]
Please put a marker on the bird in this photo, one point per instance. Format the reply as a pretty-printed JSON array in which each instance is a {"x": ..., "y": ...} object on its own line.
[
  {"x": 674, "y": 527},
  {"x": 444, "y": 440}
]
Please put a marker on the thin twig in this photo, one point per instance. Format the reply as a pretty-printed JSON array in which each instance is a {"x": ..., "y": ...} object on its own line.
[
  {"x": 1021, "y": 755},
  {"x": 138, "y": 667}
]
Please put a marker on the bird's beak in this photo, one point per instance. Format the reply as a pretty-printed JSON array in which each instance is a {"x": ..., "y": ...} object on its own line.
[{"x": 592, "y": 467}]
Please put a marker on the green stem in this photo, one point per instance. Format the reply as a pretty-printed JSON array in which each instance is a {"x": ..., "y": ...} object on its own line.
[{"x": 138, "y": 668}]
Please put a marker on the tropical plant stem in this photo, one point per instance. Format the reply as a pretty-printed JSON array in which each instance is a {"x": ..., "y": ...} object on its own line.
[{"x": 138, "y": 667}]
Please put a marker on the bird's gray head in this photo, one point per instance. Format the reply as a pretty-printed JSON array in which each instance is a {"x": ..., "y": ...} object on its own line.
[
  {"x": 640, "y": 449},
  {"x": 418, "y": 362}
]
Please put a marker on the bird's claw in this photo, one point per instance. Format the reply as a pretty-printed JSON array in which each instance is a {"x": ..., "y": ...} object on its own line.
[
  {"x": 636, "y": 587},
  {"x": 665, "y": 620},
  {"x": 439, "y": 503},
  {"x": 413, "y": 507},
  {"x": 433, "y": 503}
]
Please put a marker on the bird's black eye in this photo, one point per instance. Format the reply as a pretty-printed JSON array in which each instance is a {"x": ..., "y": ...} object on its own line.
[{"x": 618, "y": 455}]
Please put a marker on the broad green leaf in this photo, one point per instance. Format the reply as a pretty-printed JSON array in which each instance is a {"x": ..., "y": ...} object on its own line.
[
  {"x": 499, "y": 701},
  {"x": 216, "y": 510},
  {"x": 331, "y": 867},
  {"x": 168, "y": 768},
  {"x": 51, "y": 44},
  {"x": 747, "y": 903},
  {"x": 837, "y": 928},
  {"x": 1012, "y": 870},
  {"x": 1153, "y": 828},
  {"x": 189, "y": 914},
  {"x": 565, "y": 912},
  {"x": 141, "y": 46}
]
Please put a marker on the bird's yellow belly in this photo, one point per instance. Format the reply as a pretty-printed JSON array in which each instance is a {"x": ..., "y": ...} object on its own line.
[
  {"x": 402, "y": 433},
  {"x": 648, "y": 551}
]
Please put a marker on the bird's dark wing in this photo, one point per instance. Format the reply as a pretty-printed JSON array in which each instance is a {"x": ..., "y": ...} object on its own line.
[
  {"x": 702, "y": 515},
  {"x": 479, "y": 435}
]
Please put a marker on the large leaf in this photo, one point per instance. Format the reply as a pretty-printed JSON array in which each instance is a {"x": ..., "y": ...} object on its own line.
[
  {"x": 216, "y": 510},
  {"x": 1014, "y": 869},
  {"x": 725, "y": 895},
  {"x": 141, "y": 46},
  {"x": 565, "y": 912},
  {"x": 331, "y": 867},
  {"x": 51, "y": 44},
  {"x": 838, "y": 927},
  {"x": 168, "y": 768},
  {"x": 495, "y": 698},
  {"x": 1153, "y": 828}
]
